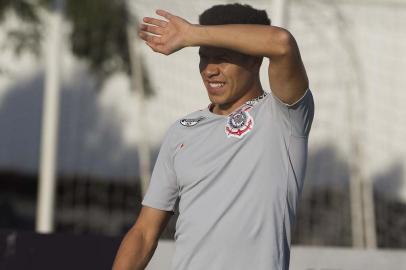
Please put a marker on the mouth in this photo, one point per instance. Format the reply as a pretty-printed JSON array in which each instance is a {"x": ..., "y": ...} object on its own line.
[{"x": 215, "y": 87}]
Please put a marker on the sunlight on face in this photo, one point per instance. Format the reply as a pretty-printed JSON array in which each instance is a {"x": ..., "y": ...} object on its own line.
[{"x": 227, "y": 75}]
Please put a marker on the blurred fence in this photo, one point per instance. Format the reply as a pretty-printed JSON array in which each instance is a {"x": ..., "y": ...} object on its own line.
[{"x": 353, "y": 53}]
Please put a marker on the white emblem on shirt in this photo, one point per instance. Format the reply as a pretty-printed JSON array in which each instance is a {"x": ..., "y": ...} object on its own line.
[
  {"x": 239, "y": 123},
  {"x": 191, "y": 122}
]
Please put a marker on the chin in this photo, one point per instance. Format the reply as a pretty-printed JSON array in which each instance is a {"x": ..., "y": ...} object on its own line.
[{"x": 217, "y": 100}]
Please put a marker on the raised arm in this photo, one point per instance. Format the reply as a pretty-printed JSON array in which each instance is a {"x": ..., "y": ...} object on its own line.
[
  {"x": 141, "y": 240},
  {"x": 286, "y": 71}
]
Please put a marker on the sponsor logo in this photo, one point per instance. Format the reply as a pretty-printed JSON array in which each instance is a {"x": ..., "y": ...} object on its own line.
[{"x": 191, "y": 122}]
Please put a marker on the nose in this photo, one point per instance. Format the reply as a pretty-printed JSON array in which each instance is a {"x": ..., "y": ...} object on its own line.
[{"x": 210, "y": 70}]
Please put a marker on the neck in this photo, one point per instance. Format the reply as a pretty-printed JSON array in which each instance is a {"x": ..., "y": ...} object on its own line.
[{"x": 227, "y": 108}]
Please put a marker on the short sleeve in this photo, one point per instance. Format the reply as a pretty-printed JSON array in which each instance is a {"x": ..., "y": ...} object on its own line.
[
  {"x": 162, "y": 191},
  {"x": 297, "y": 118}
]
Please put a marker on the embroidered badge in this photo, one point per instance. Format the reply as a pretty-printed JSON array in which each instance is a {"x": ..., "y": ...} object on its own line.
[
  {"x": 191, "y": 122},
  {"x": 239, "y": 123}
]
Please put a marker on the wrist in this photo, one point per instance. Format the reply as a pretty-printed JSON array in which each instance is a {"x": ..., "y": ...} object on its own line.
[{"x": 194, "y": 35}]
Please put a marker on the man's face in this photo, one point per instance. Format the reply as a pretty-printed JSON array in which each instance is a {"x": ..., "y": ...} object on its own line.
[{"x": 227, "y": 75}]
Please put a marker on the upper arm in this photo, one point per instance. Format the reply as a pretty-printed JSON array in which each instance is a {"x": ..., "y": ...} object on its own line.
[
  {"x": 287, "y": 74},
  {"x": 163, "y": 188},
  {"x": 151, "y": 222}
]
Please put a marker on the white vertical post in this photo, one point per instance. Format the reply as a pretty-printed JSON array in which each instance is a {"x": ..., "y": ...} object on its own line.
[
  {"x": 143, "y": 148},
  {"x": 369, "y": 215},
  {"x": 50, "y": 115},
  {"x": 279, "y": 12},
  {"x": 361, "y": 186},
  {"x": 356, "y": 180}
]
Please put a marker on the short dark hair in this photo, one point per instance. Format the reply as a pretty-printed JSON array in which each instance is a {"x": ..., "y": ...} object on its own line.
[{"x": 233, "y": 14}]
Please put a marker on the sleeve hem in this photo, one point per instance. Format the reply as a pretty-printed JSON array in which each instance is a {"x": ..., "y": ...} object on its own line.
[
  {"x": 159, "y": 206},
  {"x": 297, "y": 102}
]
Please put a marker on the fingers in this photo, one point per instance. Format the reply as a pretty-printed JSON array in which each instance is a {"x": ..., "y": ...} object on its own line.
[
  {"x": 155, "y": 27},
  {"x": 149, "y": 38},
  {"x": 156, "y": 22},
  {"x": 164, "y": 14},
  {"x": 152, "y": 29}
]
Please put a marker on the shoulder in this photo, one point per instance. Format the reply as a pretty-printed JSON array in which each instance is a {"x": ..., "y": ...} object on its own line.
[
  {"x": 181, "y": 128},
  {"x": 304, "y": 101},
  {"x": 296, "y": 118},
  {"x": 185, "y": 122},
  {"x": 189, "y": 120}
]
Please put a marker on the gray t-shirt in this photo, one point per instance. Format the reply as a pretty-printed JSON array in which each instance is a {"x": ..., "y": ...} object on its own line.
[{"x": 238, "y": 179}]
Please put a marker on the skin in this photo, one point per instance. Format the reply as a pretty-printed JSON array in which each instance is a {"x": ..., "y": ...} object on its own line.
[
  {"x": 239, "y": 73},
  {"x": 229, "y": 54},
  {"x": 140, "y": 242}
]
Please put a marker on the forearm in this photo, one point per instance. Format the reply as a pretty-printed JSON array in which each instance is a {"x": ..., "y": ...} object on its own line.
[
  {"x": 135, "y": 251},
  {"x": 256, "y": 40}
]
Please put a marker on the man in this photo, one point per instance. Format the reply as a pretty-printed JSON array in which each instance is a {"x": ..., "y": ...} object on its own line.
[{"x": 236, "y": 167}]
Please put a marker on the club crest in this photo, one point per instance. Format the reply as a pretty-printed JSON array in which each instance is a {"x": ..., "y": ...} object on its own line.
[
  {"x": 191, "y": 122},
  {"x": 239, "y": 123}
]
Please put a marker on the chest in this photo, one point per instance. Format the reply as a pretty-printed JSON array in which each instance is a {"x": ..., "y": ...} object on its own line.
[{"x": 207, "y": 153}]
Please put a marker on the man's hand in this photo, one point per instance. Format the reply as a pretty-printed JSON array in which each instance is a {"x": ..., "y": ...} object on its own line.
[
  {"x": 286, "y": 72},
  {"x": 165, "y": 36}
]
